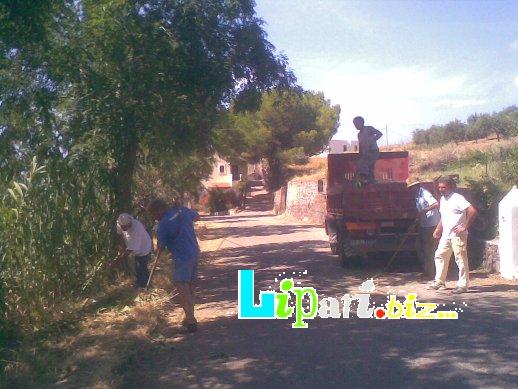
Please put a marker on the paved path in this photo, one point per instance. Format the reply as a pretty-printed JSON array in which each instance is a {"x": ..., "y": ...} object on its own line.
[{"x": 478, "y": 350}]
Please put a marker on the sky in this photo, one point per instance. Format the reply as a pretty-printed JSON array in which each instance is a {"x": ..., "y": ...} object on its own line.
[{"x": 402, "y": 65}]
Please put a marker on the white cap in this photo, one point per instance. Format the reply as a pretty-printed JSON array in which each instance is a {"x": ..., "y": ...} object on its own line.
[{"x": 124, "y": 219}]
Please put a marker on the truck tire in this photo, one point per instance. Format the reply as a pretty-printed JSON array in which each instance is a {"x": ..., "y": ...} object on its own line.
[
  {"x": 331, "y": 231},
  {"x": 334, "y": 249},
  {"x": 333, "y": 242}
]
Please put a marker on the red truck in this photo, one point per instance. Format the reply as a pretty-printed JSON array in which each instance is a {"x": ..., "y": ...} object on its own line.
[{"x": 371, "y": 218}]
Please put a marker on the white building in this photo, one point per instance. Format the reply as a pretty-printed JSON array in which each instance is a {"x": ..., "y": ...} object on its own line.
[
  {"x": 221, "y": 176},
  {"x": 337, "y": 146},
  {"x": 225, "y": 173}
]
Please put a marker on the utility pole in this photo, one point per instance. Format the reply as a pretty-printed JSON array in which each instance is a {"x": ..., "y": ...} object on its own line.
[{"x": 386, "y": 133}]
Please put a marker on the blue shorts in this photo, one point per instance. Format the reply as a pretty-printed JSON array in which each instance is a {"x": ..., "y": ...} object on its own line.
[{"x": 185, "y": 271}]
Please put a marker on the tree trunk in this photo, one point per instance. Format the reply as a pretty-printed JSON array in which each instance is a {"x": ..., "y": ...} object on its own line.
[
  {"x": 123, "y": 178},
  {"x": 122, "y": 182},
  {"x": 275, "y": 174}
]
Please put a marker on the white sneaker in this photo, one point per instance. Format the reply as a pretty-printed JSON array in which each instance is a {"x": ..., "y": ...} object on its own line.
[{"x": 436, "y": 286}]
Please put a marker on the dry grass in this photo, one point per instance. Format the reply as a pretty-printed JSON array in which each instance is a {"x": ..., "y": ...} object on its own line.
[
  {"x": 428, "y": 163},
  {"x": 315, "y": 169},
  {"x": 102, "y": 345},
  {"x": 425, "y": 162}
]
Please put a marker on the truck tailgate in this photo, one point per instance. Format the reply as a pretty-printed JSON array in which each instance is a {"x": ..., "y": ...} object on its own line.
[{"x": 382, "y": 201}]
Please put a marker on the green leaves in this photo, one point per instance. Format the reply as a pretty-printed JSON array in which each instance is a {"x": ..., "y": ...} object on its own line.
[
  {"x": 478, "y": 126},
  {"x": 87, "y": 86},
  {"x": 54, "y": 231},
  {"x": 290, "y": 126}
]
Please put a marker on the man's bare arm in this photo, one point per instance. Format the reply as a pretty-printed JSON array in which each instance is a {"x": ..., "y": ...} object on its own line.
[
  {"x": 433, "y": 206},
  {"x": 377, "y": 134},
  {"x": 120, "y": 255},
  {"x": 438, "y": 231},
  {"x": 471, "y": 214}
]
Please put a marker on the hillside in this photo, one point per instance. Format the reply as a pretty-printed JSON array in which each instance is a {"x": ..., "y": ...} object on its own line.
[{"x": 472, "y": 160}]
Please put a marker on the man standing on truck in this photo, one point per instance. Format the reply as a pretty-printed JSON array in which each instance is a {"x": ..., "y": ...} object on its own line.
[
  {"x": 368, "y": 149},
  {"x": 457, "y": 215},
  {"x": 428, "y": 209}
]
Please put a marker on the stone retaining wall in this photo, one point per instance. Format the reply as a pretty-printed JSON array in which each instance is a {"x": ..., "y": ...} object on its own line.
[
  {"x": 491, "y": 257},
  {"x": 304, "y": 202}
]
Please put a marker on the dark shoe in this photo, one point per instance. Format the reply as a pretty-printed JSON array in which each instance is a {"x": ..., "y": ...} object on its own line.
[
  {"x": 193, "y": 327},
  {"x": 185, "y": 323},
  {"x": 459, "y": 290}
]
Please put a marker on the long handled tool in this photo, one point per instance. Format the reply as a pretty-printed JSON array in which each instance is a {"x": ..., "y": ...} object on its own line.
[
  {"x": 407, "y": 234},
  {"x": 152, "y": 271}
]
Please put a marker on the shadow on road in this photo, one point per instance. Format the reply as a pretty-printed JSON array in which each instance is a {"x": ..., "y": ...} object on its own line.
[{"x": 478, "y": 350}]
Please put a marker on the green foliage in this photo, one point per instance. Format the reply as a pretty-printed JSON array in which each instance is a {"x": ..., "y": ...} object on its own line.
[
  {"x": 502, "y": 124},
  {"x": 501, "y": 164},
  {"x": 508, "y": 168},
  {"x": 289, "y": 126},
  {"x": 169, "y": 176},
  {"x": 85, "y": 85},
  {"x": 217, "y": 201},
  {"x": 487, "y": 192},
  {"x": 54, "y": 228},
  {"x": 222, "y": 200}
]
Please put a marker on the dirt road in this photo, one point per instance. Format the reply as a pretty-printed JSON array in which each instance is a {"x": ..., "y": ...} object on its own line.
[{"x": 477, "y": 350}]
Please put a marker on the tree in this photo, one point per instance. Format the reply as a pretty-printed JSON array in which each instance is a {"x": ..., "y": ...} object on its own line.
[
  {"x": 456, "y": 131},
  {"x": 122, "y": 71},
  {"x": 289, "y": 126},
  {"x": 83, "y": 83},
  {"x": 507, "y": 122},
  {"x": 484, "y": 126}
]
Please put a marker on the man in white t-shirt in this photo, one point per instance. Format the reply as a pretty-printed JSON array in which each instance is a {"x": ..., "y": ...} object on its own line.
[
  {"x": 138, "y": 242},
  {"x": 457, "y": 215}
]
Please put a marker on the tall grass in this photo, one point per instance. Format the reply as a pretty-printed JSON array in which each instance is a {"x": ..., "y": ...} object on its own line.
[{"x": 55, "y": 223}]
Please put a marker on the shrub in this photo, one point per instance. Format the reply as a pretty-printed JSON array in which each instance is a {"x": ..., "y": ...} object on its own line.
[
  {"x": 508, "y": 169},
  {"x": 55, "y": 224},
  {"x": 217, "y": 201}
]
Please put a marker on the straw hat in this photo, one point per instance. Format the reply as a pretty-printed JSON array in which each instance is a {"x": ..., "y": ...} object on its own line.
[{"x": 413, "y": 181}]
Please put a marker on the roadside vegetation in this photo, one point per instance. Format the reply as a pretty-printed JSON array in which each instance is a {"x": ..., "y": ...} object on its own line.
[
  {"x": 502, "y": 124},
  {"x": 104, "y": 105}
]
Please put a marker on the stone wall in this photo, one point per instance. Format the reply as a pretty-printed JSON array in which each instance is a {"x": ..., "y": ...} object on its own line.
[
  {"x": 491, "y": 257},
  {"x": 279, "y": 201},
  {"x": 304, "y": 202}
]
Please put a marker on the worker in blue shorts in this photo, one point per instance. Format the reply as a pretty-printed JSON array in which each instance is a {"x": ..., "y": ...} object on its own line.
[{"x": 176, "y": 233}]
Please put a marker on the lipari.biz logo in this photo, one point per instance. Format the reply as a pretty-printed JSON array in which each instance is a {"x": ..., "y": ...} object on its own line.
[{"x": 302, "y": 303}]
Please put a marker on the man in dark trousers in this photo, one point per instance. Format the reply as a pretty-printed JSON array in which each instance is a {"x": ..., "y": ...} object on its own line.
[
  {"x": 176, "y": 233},
  {"x": 368, "y": 148}
]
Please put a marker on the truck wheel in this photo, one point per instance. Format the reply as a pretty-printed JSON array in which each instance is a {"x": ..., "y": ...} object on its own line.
[
  {"x": 333, "y": 242},
  {"x": 334, "y": 249}
]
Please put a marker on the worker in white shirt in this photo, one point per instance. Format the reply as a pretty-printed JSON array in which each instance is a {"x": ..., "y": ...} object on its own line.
[
  {"x": 138, "y": 243},
  {"x": 457, "y": 215}
]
